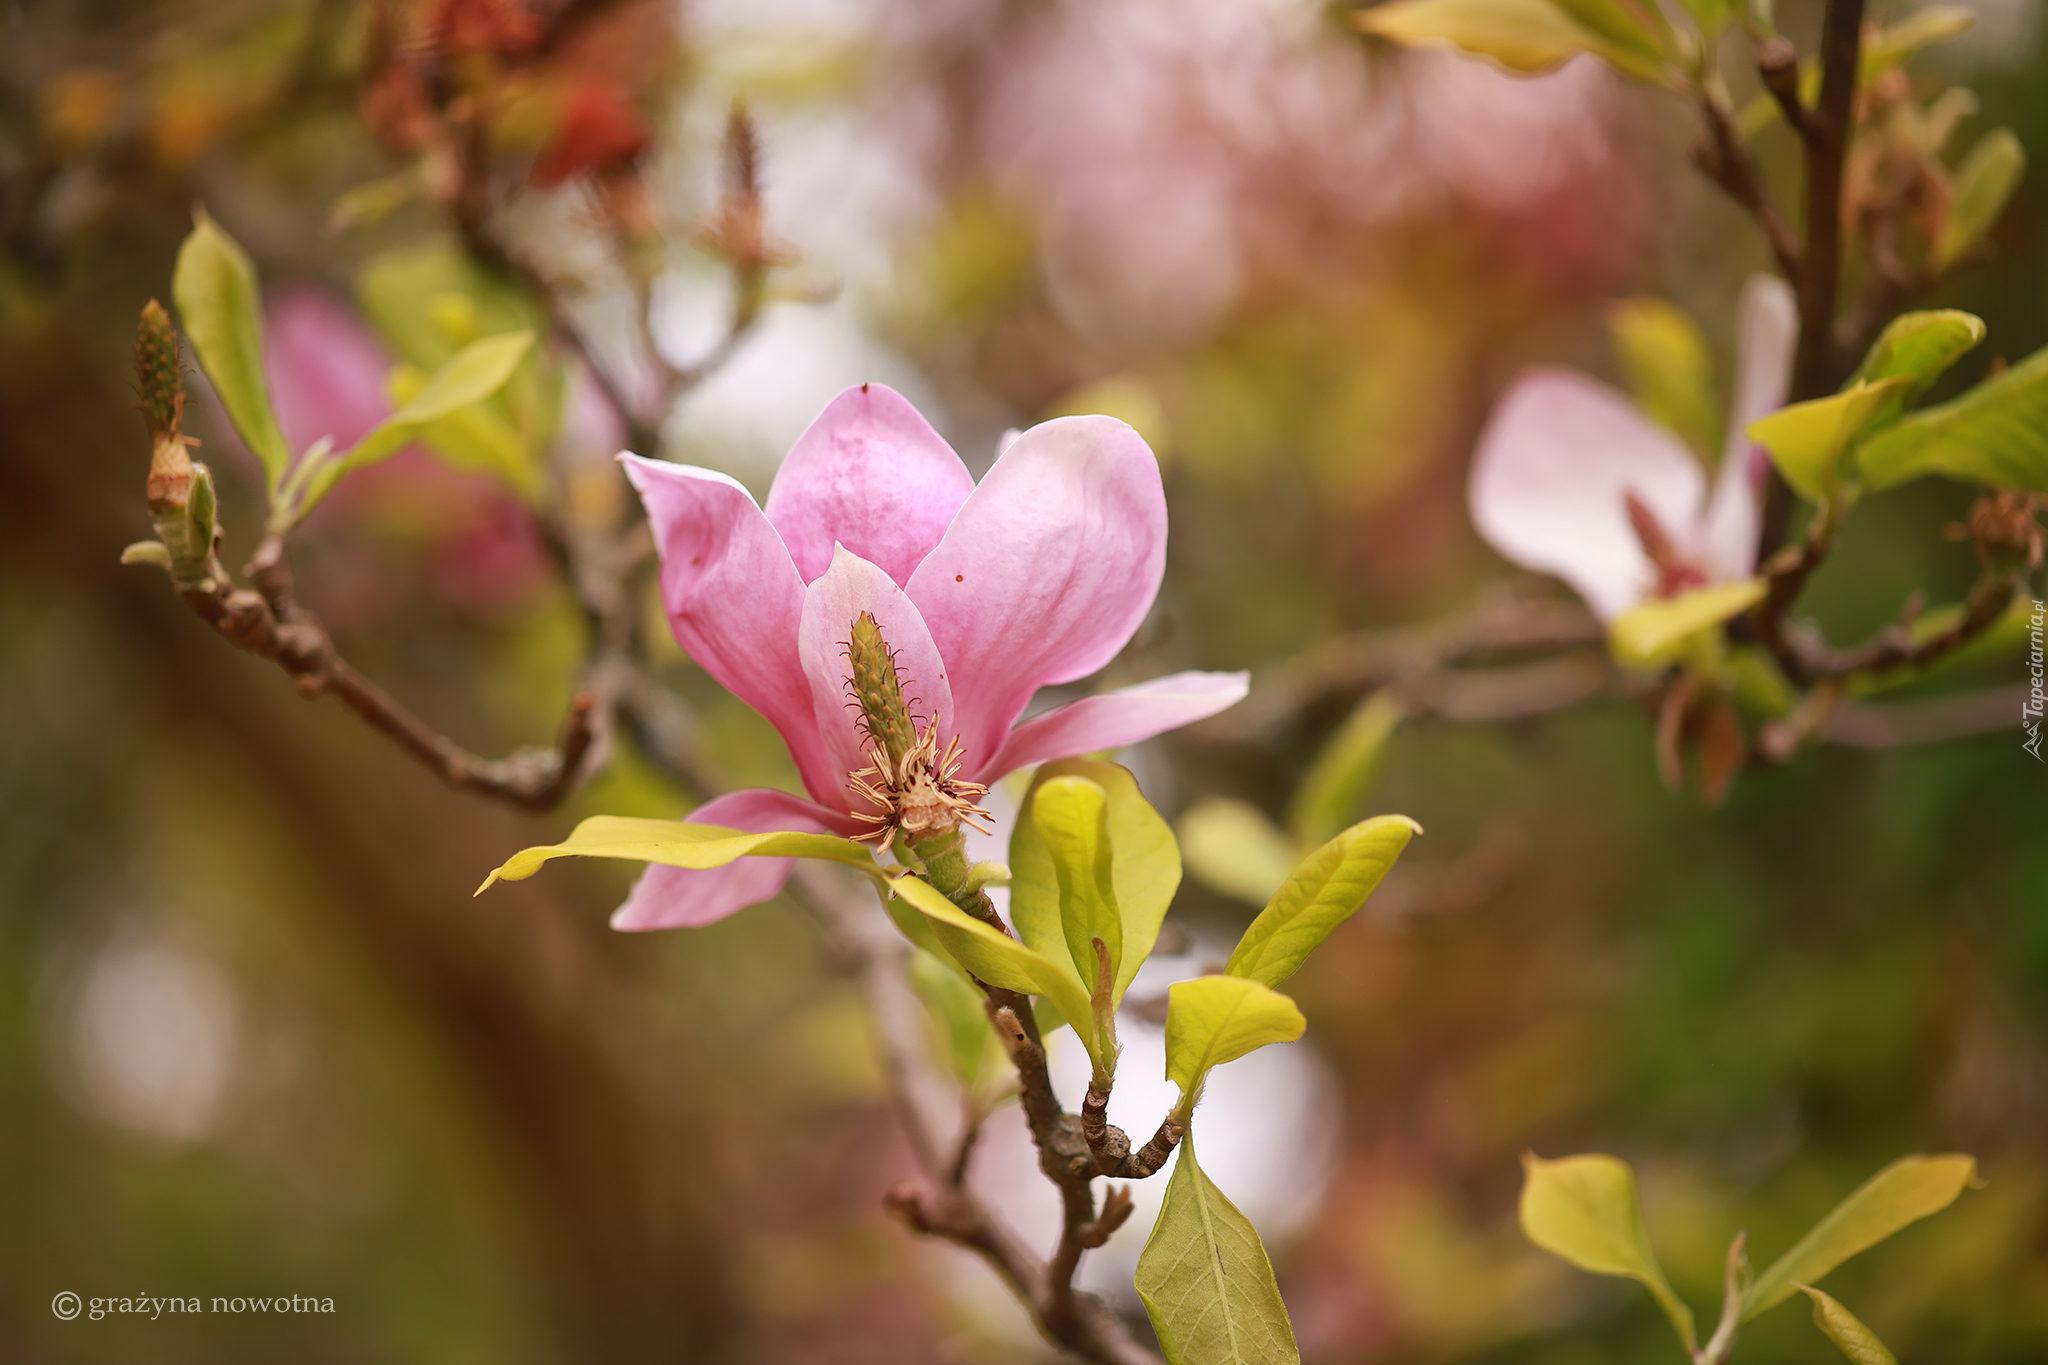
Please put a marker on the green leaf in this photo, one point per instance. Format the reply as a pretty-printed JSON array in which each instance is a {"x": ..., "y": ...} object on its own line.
[
  {"x": 407, "y": 294},
  {"x": 1206, "y": 1281},
  {"x": 1659, "y": 631},
  {"x": 1325, "y": 890},
  {"x": 1997, "y": 433},
  {"x": 1634, "y": 35},
  {"x": 1216, "y": 1019},
  {"x": 1586, "y": 1210},
  {"x": 1668, "y": 368},
  {"x": 677, "y": 843},
  {"x": 1710, "y": 15},
  {"x": 222, "y": 312},
  {"x": 478, "y": 370},
  {"x": 1806, "y": 440},
  {"x": 1983, "y": 185},
  {"x": 1920, "y": 347},
  {"x": 956, "y": 1007},
  {"x": 1526, "y": 36},
  {"x": 477, "y": 437},
  {"x": 998, "y": 959},
  {"x": 429, "y": 300},
  {"x": 1343, "y": 773},
  {"x": 1851, "y": 1337},
  {"x": 1144, "y": 871},
  {"x": 1232, "y": 848},
  {"x": 1072, "y": 817},
  {"x": 1904, "y": 1192}
]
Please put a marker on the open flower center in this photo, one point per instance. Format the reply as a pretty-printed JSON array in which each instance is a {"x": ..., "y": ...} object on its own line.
[{"x": 913, "y": 785}]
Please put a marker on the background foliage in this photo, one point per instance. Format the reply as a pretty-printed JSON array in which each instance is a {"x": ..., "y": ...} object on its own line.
[{"x": 255, "y": 1037}]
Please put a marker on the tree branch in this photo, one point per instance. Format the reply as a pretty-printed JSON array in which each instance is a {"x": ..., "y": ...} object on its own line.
[
  {"x": 940, "y": 1204},
  {"x": 270, "y": 623},
  {"x": 1827, "y": 130}
]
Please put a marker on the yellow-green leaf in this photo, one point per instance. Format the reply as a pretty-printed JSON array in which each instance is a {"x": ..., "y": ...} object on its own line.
[
  {"x": 1216, "y": 1019},
  {"x": 1528, "y": 36},
  {"x": 221, "y": 308},
  {"x": 677, "y": 843},
  {"x": 1586, "y": 1210},
  {"x": 1668, "y": 368},
  {"x": 477, "y": 437},
  {"x": 478, "y": 370},
  {"x": 1997, "y": 433},
  {"x": 1806, "y": 440},
  {"x": 1851, "y": 1337},
  {"x": 1634, "y": 36},
  {"x": 1144, "y": 870},
  {"x": 1206, "y": 1281},
  {"x": 1656, "y": 632},
  {"x": 1326, "y": 889},
  {"x": 1983, "y": 184},
  {"x": 1904, "y": 1192},
  {"x": 997, "y": 958},
  {"x": 1920, "y": 347},
  {"x": 1232, "y": 848},
  {"x": 1072, "y": 816},
  {"x": 1344, "y": 771}
]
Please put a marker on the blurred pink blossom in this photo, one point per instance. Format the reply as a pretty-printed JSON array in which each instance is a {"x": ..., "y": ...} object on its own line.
[
  {"x": 1572, "y": 478},
  {"x": 1181, "y": 149}
]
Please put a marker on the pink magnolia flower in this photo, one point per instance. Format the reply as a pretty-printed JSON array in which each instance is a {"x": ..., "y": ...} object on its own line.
[
  {"x": 1037, "y": 575},
  {"x": 1573, "y": 479}
]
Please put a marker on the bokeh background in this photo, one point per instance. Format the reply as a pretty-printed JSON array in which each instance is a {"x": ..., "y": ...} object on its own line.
[{"x": 256, "y": 1037}]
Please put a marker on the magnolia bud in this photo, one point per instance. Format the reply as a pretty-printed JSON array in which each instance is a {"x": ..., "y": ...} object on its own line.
[{"x": 163, "y": 410}]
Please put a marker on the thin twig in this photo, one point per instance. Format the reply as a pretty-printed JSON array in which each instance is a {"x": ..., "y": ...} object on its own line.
[
  {"x": 270, "y": 623},
  {"x": 1728, "y": 164}
]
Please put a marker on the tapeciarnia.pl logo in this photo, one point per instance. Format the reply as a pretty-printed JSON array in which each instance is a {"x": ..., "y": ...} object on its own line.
[{"x": 2037, "y": 696}]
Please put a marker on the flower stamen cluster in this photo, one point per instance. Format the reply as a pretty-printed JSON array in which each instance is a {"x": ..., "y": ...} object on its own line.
[
  {"x": 916, "y": 788},
  {"x": 920, "y": 793}
]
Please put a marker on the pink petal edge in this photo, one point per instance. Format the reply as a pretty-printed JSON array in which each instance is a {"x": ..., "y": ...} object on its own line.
[
  {"x": 1045, "y": 572},
  {"x": 734, "y": 600},
  {"x": 1551, "y": 475},
  {"x": 1767, "y": 331},
  {"x": 1111, "y": 720}
]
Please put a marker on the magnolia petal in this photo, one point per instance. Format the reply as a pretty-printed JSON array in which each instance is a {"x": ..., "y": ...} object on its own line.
[
  {"x": 872, "y": 475},
  {"x": 734, "y": 600},
  {"x": 1554, "y": 467},
  {"x": 1767, "y": 333},
  {"x": 852, "y": 586},
  {"x": 1114, "y": 719},
  {"x": 1046, "y": 571},
  {"x": 677, "y": 897}
]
